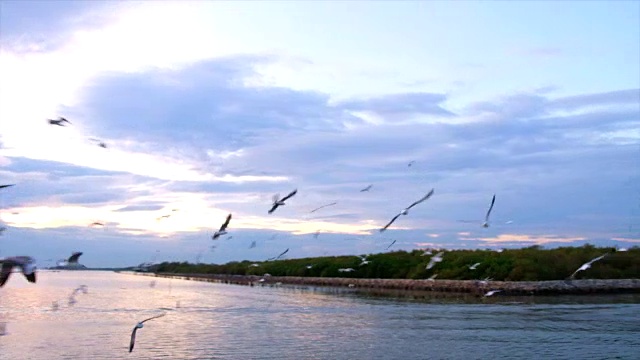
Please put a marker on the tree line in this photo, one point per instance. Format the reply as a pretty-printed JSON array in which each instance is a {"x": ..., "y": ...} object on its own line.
[{"x": 526, "y": 264}]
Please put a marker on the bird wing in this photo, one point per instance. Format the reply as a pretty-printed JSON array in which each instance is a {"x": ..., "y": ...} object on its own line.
[
  {"x": 31, "y": 277},
  {"x": 273, "y": 208},
  {"x": 4, "y": 186},
  {"x": 596, "y": 259},
  {"x": 284, "y": 252},
  {"x": 7, "y": 265},
  {"x": 323, "y": 206},
  {"x": 493, "y": 201},
  {"x": 389, "y": 223},
  {"x": 394, "y": 241},
  {"x": 153, "y": 317},
  {"x": 226, "y": 223},
  {"x": 421, "y": 200},
  {"x": 133, "y": 338},
  {"x": 74, "y": 257},
  {"x": 290, "y": 195}
]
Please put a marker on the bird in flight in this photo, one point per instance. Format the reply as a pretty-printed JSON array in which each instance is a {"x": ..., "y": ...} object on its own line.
[
  {"x": 390, "y": 245},
  {"x": 474, "y": 266},
  {"x": 59, "y": 122},
  {"x": 280, "y": 202},
  {"x": 279, "y": 256},
  {"x": 323, "y": 206},
  {"x": 96, "y": 223},
  {"x": 406, "y": 210},
  {"x": 5, "y": 186},
  {"x": 101, "y": 143},
  {"x": 587, "y": 265},
  {"x": 27, "y": 265},
  {"x": 492, "y": 292},
  {"x": 435, "y": 259},
  {"x": 139, "y": 326},
  {"x": 367, "y": 188},
  {"x": 485, "y": 223},
  {"x": 223, "y": 229}
]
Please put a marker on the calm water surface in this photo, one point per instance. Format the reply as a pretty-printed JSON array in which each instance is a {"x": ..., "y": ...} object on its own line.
[{"x": 218, "y": 321}]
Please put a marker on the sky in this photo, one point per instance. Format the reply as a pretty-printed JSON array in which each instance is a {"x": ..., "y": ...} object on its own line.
[{"x": 209, "y": 108}]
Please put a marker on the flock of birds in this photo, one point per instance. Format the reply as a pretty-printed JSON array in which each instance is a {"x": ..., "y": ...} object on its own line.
[{"x": 27, "y": 264}]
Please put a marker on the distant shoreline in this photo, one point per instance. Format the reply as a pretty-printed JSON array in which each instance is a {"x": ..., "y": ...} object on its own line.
[{"x": 472, "y": 287}]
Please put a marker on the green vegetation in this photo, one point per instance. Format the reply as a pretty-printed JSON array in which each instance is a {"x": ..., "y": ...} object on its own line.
[{"x": 527, "y": 264}]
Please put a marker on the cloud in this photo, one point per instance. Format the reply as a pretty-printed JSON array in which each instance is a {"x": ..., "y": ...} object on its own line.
[
  {"x": 530, "y": 239},
  {"x": 399, "y": 106}
]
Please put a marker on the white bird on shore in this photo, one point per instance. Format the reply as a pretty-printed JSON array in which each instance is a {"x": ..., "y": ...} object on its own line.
[
  {"x": 587, "y": 265},
  {"x": 491, "y": 293},
  {"x": 435, "y": 259},
  {"x": 406, "y": 210},
  {"x": 140, "y": 326}
]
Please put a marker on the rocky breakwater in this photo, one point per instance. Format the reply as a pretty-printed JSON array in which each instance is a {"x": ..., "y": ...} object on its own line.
[{"x": 557, "y": 287}]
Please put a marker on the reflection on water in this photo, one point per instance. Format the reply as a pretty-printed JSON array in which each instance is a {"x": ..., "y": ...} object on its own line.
[{"x": 208, "y": 320}]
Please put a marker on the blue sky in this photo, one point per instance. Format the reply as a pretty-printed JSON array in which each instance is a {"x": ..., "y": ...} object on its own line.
[{"x": 210, "y": 108}]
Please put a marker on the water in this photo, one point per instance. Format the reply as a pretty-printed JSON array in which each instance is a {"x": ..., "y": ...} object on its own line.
[{"x": 218, "y": 321}]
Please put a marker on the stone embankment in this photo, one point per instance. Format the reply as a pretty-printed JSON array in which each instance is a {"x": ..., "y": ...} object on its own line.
[{"x": 514, "y": 288}]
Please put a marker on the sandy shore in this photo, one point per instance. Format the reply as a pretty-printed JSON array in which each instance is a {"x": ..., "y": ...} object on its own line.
[{"x": 559, "y": 287}]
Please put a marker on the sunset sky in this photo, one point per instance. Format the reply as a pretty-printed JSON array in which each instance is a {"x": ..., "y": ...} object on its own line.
[{"x": 212, "y": 107}]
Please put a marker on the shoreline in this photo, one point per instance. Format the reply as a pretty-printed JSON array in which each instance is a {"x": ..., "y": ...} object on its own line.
[{"x": 471, "y": 287}]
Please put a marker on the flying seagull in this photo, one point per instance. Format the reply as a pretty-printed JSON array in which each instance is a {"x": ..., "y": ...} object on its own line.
[
  {"x": 367, "y": 188},
  {"x": 27, "y": 265},
  {"x": 4, "y": 186},
  {"x": 279, "y": 256},
  {"x": 474, "y": 266},
  {"x": 163, "y": 217},
  {"x": 411, "y": 163},
  {"x": 100, "y": 142},
  {"x": 485, "y": 224},
  {"x": 323, "y": 206},
  {"x": 406, "y": 210},
  {"x": 59, "y": 122},
  {"x": 96, "y": 223},
  {"x": 277, "y": 202},
  {"x": 394, "y": 241},
  {"x": 364, "y": 260},
  {"x": 587, "y": 265},
  {"x": 223, "y": 229},
  {"x": 253, "y": 244},
  {"x": 139, "y": 326},
  {"x": 435, "y": 259},
  {"x": 491, "y": 293}
]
